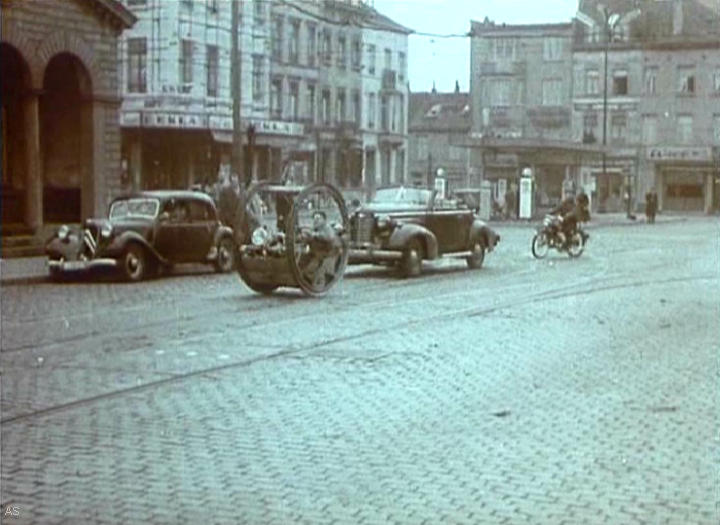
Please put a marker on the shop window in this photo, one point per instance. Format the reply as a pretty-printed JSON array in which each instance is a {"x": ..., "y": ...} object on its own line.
[{"x": 685, "y": 191}]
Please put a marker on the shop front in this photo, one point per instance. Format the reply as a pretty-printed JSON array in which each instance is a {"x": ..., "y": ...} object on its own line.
[{"x": 685, "y": 178}]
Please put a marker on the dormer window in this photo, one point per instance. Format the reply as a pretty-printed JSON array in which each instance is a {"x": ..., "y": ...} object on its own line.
[{"x": 434, "y": 111}]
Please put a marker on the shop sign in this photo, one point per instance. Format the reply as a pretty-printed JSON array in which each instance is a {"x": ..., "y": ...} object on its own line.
[
  {"x": 277, "y": 127},
  {"x": 679, "y": 153},
  {"x": 165, "y": 119}
]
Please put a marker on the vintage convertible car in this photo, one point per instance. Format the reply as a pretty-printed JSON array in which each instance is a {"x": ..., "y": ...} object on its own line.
[
  {"x": 144, "y": 232},
  {"x": 404, "y": 226}
]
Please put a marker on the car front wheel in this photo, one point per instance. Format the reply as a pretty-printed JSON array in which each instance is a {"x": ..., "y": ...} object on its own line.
[
  {"x": 411, "y": 263},
  {"x": 477, "y": 255},
  {"x": 225, "y": 261},
  {"x": 133, "y": 263}
]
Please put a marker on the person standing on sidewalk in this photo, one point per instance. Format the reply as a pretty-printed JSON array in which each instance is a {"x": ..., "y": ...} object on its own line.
[{"x": 651, "y": 203}]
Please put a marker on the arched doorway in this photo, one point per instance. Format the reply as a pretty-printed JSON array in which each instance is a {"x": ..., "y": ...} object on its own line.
[
  {"x": 15, "y": 84},
  {"x": 66, "y": 138}
]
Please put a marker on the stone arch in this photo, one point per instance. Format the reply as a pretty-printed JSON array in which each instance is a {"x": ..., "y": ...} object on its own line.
[
  {"x": 62, "y": 42},
  {"x": 14, "y": 37}
]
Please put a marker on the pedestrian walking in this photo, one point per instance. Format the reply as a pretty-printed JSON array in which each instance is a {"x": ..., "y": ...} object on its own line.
[
  {"x": 651, "y": 204},
  {"x": 228, "y": 197}
]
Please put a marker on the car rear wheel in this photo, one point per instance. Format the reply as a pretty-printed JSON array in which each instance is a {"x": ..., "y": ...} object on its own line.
[
  {"x": 134, "y": 263},
  {"x": 411, "y": 263},
  {"x": 477, "y": 255},
  {"x": 225, "y": 261}
]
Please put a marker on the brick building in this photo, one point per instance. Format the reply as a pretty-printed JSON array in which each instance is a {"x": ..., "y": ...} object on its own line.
[{"x": 60, "y": 102}]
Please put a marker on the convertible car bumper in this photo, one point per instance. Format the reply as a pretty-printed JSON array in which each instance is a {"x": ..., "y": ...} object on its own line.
[{"x": 80, "y": 265}]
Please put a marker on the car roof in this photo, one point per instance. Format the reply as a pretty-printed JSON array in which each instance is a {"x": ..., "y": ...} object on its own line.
[{"x": 164, "y": 195}]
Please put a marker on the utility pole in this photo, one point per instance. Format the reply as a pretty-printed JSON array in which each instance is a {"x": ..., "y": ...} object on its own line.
[{"x": 237, "y": 164}]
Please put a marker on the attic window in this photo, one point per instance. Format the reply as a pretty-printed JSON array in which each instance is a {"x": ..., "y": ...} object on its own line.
[{"x": 434, "y": 111}]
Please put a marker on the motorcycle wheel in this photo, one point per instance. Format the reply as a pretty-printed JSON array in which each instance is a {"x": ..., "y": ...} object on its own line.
[
  {"x": 540, "y": 245},
  {"x": 576, "y": 245}
]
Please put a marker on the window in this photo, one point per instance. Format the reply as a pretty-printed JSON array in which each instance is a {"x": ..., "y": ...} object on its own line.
[
  {"x": 293, "y": 98},
  {"x": 212, "y": 5},
  {"x": 552, "y": 92},
  {"x": 401, "y": 67},
  {"x": 356, "y": 54},
  {"x": 592, "y": 82},
  {"x": 326, "y": 106},
  {"x": 326, "y": 46},
  {"x": 500, "y": 92},
  {"x": 371, "y": 59},
  {"x": 651, "y": 80},
  {"x": 357, "y": 110},
  {"x": 388, "y": 59},
  {"x": 590, "y": 122},
  {"x": 401, "y": 114},
  {"x": 503, "y": 48},
  {"x": 342, "y": 53},
  {"x": 212, "y": 71},
  {"x": 620, "y": 82},
  {"x": 259, "y": 11},
  {"x": 312, "y": 44},
  {"x": 258, "y": 74},
  {"x": 276, "y": 98},
  {"x": 384, "y": 108},
  {"x": 137, "y": 2},
  {"x": 618, "y": 125},
  {"x": 552, "y": 48},
  {"x": 137, "y": 63},
  {"x": 685, "y": 129},
  {"x": 716, "y": 82},
  {"x": 294, "y": 41},
  {"x": 372, "y": 111},
  {"x": 686, "y": 80},
  {"x": 310, "y": 106},
  {"x": 340, "y": 105},
  {"x": 277, "y": 41},
  {"x": 716, "y": 129},
  {"x": 186, "y": 62},
  {"x": 649, "y": 130}
]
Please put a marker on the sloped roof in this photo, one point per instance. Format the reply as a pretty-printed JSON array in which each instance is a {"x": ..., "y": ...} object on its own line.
[
  {"x": 117, "y": 11},
  {"x": 439, "y": 112},
  {"x": 375, "y": 20}
]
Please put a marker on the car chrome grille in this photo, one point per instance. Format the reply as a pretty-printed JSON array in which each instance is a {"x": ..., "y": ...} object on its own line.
[
  {"x": 361, "y": 228},
  {"x": 90, "y": 238}
]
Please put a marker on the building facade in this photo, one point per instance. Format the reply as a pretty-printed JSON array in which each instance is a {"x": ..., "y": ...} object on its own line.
[
  {"x": 60, "y": 102},
  {"x": 438, "y": 125}
]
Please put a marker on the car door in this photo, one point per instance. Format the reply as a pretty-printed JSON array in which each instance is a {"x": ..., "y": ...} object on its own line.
[
  {"x": 196, "y": 231},
  {"x": 166, "y": 232},
  {"x": 448, "y": 225}
]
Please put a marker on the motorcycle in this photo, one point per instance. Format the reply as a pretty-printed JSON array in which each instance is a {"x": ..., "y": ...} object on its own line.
[{"x": 550, "y": 235}]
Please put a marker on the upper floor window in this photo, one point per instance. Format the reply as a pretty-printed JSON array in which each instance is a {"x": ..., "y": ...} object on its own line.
[
  {"x": 293, "y": 96},
  {"x": 276, "y": 98},
  {"x": 356, "y": 105},
  {"x": 294, "y": 43},
  {"x": 552, "y": 48},
  {"x": 372, "y": 110},
  {"x": 340, "y": 103},
  {"x": 649, "y": 130},
  {"x": 137, "y": 2},
  {"x": 356, "y": 52},
  {"x": 212, "y": 71},
  {"x": 186, "y": 62},
  {"x": 137, "y": 65},
  {"x": 388, "y": 58},
  {"x": 503, "y": 48},
  {"x": 716, "y": 129},
  {"x": 651, "y": 80},
  {"x": 384, "y": 113},
  {"x": 685, "y": 129},
  {"x": 311, "y": 44},
  {"x": 592, "y": 82},
  {"x": 325, "y": 108},
  {"x": 686, "y": 80},
  {"x": 259, "y": 11},
  {"x": 620, "y": 82},
  {"x": 258, "y": 76},
  {"x": 500, "y": 92},
  {"x": 310, "y": 106},
  {"x": 326, "y": 46},
  {"x": 552, "y": 92},
  {"x": 212, "y": 5},
  {"x": 371, "y": 59},
  {"x": 277, "y": 39},
  {"x": 716, "y": 82},
  {"x": 618, "y": 125},
  {"x": 342, "y": 52},
  {"x": 402, "y": 64}
]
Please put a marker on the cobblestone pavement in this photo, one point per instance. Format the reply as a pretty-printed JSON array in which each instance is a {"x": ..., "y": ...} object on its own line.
[{"x": 554, "y": 391}]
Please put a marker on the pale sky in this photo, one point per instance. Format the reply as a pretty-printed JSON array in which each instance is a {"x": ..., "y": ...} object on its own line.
[{"x": 445, "y": 60}]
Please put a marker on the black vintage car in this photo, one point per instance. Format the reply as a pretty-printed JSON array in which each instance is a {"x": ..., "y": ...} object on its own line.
[
  {"x": 404, "y": 226},
  {"x": 145, "y": 232}
]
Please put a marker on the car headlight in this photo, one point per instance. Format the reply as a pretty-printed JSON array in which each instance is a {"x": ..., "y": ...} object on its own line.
[
  {"x": 63, "y": 232},
  {"x": 106, "y": 230},
  {"x": 383, "y": 223},
  {"x": 260, "y": 236}
]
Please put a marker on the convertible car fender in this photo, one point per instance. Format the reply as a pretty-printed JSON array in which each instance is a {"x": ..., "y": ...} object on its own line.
[
  {"x": 222, "y": 231},
  {"x": 406, "y": 231},
  {"x": 118, "y": 244},
  {"x": 481, "y": 230}
]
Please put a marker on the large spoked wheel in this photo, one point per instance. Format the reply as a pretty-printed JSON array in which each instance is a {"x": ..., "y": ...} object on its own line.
[
  {"x": 477, "y": 255},
  {"x": 411, "y": 262},
  {"x": 540, "y": 245},
  {"x": 576, "y": 245},
  {"x": 225, "y": 261},
  {"x": 318, "y": 256},
  {"x": 134, "y": 263}
]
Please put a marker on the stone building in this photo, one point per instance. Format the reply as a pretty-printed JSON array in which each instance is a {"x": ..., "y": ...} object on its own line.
[
  {"x": 60, "y": 102},
  {"x": 438, "y": 125}
]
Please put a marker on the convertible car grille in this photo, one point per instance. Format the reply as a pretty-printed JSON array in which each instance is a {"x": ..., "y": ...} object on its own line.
[
  {"x": 361, "y": 228},
  {"x": 90, "y": 238}
]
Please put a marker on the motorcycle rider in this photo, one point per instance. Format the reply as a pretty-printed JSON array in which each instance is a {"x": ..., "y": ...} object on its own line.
[{"x": 570, "y": 211}]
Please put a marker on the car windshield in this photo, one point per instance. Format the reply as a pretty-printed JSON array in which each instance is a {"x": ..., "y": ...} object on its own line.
[
  {"x": 134, "y": 208},
  {"x": 402, "y": 195}
]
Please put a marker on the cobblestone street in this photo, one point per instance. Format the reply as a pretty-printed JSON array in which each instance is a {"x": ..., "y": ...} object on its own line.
[{"x": 553, "y": 391}]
